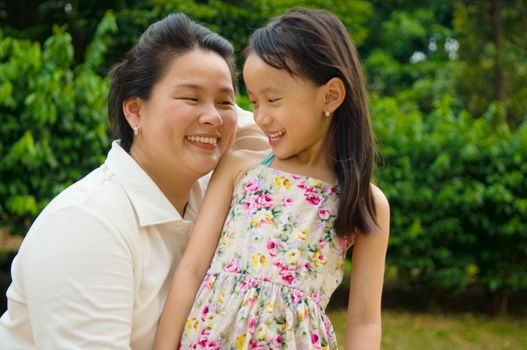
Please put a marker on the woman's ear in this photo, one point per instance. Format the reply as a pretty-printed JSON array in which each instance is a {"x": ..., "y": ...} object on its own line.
[
  {"x": 131, "y": 109},
  {"x": 335, "y": 92}
]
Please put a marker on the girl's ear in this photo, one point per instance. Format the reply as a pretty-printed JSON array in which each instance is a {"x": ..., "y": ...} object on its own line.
[
  {"x": 131, "y": 108},
  {"x": 335, "y": 92}
]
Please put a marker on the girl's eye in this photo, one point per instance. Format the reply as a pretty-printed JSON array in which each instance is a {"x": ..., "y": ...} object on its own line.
[
  {"x": 273, "y": 100},
  {"x": 193, "y": 99},
  {"x": 226, "y": 103}
]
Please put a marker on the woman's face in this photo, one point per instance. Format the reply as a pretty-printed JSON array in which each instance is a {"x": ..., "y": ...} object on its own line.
[{"x": 190, "y": 118}]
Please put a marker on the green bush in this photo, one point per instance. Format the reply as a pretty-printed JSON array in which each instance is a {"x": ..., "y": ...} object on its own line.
[
  {"x": 54, "y": 126},
  {"x": 458, "y": 195}
]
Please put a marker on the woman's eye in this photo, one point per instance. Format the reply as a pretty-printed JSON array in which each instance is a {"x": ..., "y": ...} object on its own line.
[
  {"x": 188, "y": 99},
  {"x": 273, "y": 100}
]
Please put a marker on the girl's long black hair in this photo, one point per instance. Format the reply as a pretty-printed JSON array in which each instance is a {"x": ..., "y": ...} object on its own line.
[{"x": 314, "y": 44}]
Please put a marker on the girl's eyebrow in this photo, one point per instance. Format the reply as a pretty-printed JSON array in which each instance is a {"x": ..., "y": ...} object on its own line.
[{"x": 266, "y": 89}]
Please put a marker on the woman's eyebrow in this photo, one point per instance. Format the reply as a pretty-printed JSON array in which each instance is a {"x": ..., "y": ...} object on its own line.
[{"x": 225, "y": 89}]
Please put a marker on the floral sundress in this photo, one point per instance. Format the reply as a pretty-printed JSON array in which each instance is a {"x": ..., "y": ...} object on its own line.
[{"x": 277, "y": 263}]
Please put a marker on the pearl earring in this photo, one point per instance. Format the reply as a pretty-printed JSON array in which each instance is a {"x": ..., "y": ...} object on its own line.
[
  {"x": 327, "y": 114},
  {"x": 136, "y": 130}
]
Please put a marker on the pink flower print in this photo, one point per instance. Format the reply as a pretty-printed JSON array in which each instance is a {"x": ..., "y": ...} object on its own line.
[
  {"x": 271, "y": 248},
  {"x": 314, "y": 198},
  {"x": 287, "y": 201},
  {"x": 315, "y": 340},
  {"x": 304, "y": 267},
  {"x": 264, "y": 201},
  {"x": 253, "y": 321},
  {"x": 204, "y": 313},
  {"x": 287, "y": 276},
  {"x": 297, "y": 296},
  {"x": 324, "y": 214},
  {"x": 278, "y": 263},
  {"x": 252, "y": 186},
  {"x": 297, "y": 177},
  {"x": 203, "y": 337},
  {"x": 344, "y": 243},
  {"x": 212, "y": 345},
  {"x": 317, "y": 297},
  {"x": 258, "y": 345},
  {"x": 250, "y": 204},
  {"x": 278, "y": 340},
  {"x": 232, "y": 265},
  {"x": 302, "y": 185}
]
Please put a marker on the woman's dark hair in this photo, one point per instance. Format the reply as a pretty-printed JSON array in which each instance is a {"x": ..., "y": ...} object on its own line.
[
  {"x": 146, "y": 63},
  {"x": 315, "y": 45}
]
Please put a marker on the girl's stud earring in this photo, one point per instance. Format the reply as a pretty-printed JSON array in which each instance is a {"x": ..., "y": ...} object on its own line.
[
  {"x": 327, "y": 114},
  {"x": 136, "y": 130}
]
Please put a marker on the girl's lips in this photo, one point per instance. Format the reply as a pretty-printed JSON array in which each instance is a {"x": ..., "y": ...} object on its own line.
[{"x": 275, "y": 137}]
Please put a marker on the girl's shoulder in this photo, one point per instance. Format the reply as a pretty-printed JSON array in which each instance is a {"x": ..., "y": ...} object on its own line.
[
  {"x": 379, "y": 198},
  {"x": 237, "y": 162}
]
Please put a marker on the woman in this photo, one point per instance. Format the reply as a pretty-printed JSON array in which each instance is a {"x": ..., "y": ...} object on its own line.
[{"x": 94, "y": 269}]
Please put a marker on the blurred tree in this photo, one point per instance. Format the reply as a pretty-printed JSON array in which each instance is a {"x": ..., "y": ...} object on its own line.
[{"x": 494, "y": 57}]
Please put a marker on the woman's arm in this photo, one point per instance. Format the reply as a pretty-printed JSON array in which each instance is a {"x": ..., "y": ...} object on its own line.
[
  {"x": 363, "y": 324},
  {"x": 199, "y": 252}
]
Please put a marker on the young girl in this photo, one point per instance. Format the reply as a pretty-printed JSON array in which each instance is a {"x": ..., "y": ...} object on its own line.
[{"x": 288, "y": 218}]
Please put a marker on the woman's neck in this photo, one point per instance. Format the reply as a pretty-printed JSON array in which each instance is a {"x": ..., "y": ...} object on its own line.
[{"x": 173, "y": 181}]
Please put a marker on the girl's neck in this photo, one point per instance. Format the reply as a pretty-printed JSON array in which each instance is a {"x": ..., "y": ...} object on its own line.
[{"x": 313, "y": 162}]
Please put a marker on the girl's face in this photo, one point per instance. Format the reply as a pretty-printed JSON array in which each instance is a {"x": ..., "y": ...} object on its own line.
[
  {"x": 190, "y": 118},
  {"x": 289, "y": 109}
]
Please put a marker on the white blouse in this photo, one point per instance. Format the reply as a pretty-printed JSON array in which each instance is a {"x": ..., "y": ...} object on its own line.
[{"x": 116, "y": 221}]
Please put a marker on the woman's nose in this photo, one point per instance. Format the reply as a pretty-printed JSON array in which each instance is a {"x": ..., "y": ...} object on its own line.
[{"x": 211, "y": 116}]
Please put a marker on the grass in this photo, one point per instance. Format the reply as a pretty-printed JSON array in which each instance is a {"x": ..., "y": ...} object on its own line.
[{"x": 417, "y": 331}]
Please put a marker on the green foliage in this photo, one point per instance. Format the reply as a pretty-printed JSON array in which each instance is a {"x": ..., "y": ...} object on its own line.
[
  {"x": 482, "y": 58},
  {"x": 53, "y": 127},
  {"x": 453, "y": 170},
  {"x": 458, "y": 195}
]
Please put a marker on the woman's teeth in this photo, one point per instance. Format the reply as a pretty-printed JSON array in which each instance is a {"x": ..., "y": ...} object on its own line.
[{"x": 209, "y": 140}]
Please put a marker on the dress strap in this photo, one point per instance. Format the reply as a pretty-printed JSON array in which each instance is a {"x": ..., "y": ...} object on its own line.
[{"x": 268, "y": 160}]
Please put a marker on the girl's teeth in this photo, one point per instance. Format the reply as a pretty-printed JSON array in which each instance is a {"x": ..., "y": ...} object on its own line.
[
  {"x": 276, "y": 134},
  {"x": 209, "y": 140}
]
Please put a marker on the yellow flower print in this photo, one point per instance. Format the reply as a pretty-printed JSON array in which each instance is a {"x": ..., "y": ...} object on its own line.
[
  {"x": 282, "y": 181},
  {"x": 261, "y": 331},
  {"x": 191, "y": 324},
  {"x": 219, "y": 298},
  {"x": 318, "y": 258},
  {"x": 292, "y": 256},
  {"x": 303, "y": 312},
  {"x": 262, "y": 217},
  {"x": 268, "y": 308},
  {"x": 259, "y": 260},
  {"x": 301, "y": 234},
  {"x": 241, "y": 342},
  {"x": 209, "y": 320}
]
